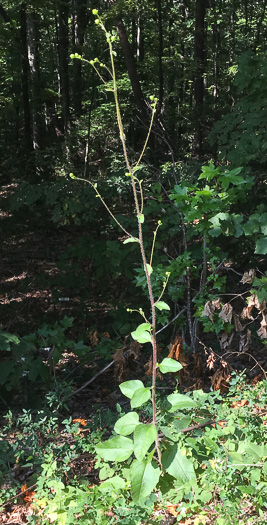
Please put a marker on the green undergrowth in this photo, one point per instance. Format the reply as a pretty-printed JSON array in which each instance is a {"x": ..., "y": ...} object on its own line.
[{"x": 60, "y": 460}]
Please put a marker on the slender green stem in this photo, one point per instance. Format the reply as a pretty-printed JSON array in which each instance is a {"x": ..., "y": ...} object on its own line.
[
  {"x": 146, "y": 141},
  {"x": 163, "y": 289},
  {"x": 139, "y": 210},
  {"x": 140, "y": 235},
  {"x": 106, "y": 206},
  {"x": 153, "y": 244}
]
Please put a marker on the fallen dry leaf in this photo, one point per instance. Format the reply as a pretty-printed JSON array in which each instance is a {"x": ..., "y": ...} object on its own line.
[
  {"x": 93, "y": 337},
  {"x": 240, "y": 403},
  {"x": 171, "y": 509},
  {"x": 220, "y": 380},
  {"x": 82, "y": 422},
  {"x": 198, "y": 366}
]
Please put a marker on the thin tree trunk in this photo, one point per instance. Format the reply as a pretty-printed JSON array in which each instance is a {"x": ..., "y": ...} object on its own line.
[
  {"x": 25, "y": 78},
  {"x": 160, "y": 54},
  {"x": 200, "y": 42},
  {"x": 4, "y": 14},
  {"x": 63, "y": 54},
  {"x": 33, "y": 23},
  {"x": 140, "y": 52},
  {"x": 131, "y": 67},
  {"x": 81, "y": 18}
]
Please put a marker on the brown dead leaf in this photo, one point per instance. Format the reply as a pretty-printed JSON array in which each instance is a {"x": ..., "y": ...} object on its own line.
[
  {"x": 126, "y": 359},
  {"x": 176, "y": 349},
  {"x": 256, "y": 379},
  {"x": 211, "y": 360},
  {"x": 93, "y": 337},
  {"x": 237, "y": 324},
  {"x": 176, "y": 352},
  {"x": 225, "y": 340},
  {"x": 245, "y": 314},
  {"x": 245, "y": 340},
  {"x": 82, "y": 422},
  {"x": 240, "y": 403},
  {"x": 262, "y": 332},
  {"x": 210, "y": 308},
  {"x": 226, "y": 313},
  {"x": 120, "y": 363},
  {"x": 171, "y": 509},
  {"x": 220, "y": 380},
  {"x": 149, "y": 369},
  {"x": 197, "y": 366},
  {"x": 249, "y": 276}
]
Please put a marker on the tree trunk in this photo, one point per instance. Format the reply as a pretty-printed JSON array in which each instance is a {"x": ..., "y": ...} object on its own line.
[
  {"x": 131, "y": 68},
  {"x": 160, "y": 53},
  {"x": 140, "y": 51},
  {"x": 25, "y": 79},
  {"x": 33, "y": 23},
  {"x": 63, "y": 54},
  {"x": 80, "y": 21},
  {"x": 4, "y": 14},
  {"x": 200, "y": 43}
]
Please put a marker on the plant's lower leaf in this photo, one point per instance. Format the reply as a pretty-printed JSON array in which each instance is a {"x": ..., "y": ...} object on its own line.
[
  {"x": 178, "y": 465},
  {"x": 144, "y": 478}
]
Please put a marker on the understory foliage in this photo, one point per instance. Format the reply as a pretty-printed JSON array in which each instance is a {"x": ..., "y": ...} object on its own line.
[{"x": 218, "y": 472}]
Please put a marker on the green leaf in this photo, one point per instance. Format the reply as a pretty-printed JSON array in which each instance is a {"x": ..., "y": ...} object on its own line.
[
  {"x": 261, "y": 246},
  {"x": 126, "y": 424},
  {"x": 144, "y": 478},
  {"x": 180, "y": 401},
  {"x": 246, "y": 489},
  {"x": 141, "y": 396},
  {"x": 115, "y": 449},
  {"x": 141, "y": 334},
  {"x": 114, "y": 483},
  {"x": 149, "y": 269},
  {"x": 263, "y": 221},
  {"x": 72, "y": 176},
  {"x": 141, "y": 218},
  {"x": 128, "y": 388},
  {"x": 169, "y": 365},
  {"x": 6, "y": 338},
  {"x": 144, "y": 436},
  {"x": 180, "y": 191},
  {"x": 209, "y": 172},
  {"x": 178, "y": 465},
  {"x": 130, "y": 239},
  {"x": 161, "y": 305}
]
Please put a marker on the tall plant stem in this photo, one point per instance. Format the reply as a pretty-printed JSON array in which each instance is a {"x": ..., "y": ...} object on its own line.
[{"x": 140, "y": 236}]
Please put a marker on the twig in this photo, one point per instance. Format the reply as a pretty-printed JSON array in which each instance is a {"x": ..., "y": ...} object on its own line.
[
  {"x": 112, "y": 362},
  {"x": 88, "y": 382},
  {"x": 195, "y": 427},
  {"x": 171, "y": 321},
  {"x": 18, "y": 495},
  {"x": 252, "y": 357}
]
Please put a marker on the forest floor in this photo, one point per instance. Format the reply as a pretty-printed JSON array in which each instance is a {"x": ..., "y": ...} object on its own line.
[{"x": 31, "y": 293}]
